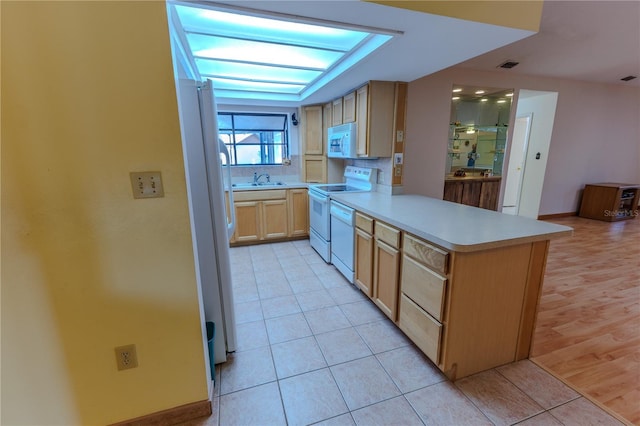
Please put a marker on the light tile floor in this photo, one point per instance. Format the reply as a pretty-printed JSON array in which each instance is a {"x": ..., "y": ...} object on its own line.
[{"x": 312, "y": 349}]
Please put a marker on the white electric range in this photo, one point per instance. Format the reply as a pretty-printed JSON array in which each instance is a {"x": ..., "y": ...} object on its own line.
[{"x": 356, "y": 179}]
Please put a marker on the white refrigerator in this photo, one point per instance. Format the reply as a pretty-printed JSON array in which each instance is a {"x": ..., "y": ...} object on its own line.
[{"x": 210, "y": 225}]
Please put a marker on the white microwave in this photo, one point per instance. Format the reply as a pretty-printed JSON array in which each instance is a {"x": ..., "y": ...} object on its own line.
[{"x": 342, "y": 141}]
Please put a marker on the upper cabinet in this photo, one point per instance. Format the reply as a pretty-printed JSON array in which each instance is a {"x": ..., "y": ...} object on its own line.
[
  {"x": 312, "y": 139},
  {"x": 337, "y": 112},
  {"x": 349, "y": 108},
  {"x": 375, "y": 107}
]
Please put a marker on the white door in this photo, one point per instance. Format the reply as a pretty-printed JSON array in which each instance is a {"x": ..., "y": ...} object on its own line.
[
  {"x": 543, "y": 106},
  {"x": 515, "y": 171}
]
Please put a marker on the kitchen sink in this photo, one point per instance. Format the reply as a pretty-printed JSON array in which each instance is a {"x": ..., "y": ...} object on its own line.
[{"x": 259, "y": 184}]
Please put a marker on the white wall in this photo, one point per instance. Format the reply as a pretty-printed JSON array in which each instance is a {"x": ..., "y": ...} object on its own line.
[{"x": 596, "y": 133}]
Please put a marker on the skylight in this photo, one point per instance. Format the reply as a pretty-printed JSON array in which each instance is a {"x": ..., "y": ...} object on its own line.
[{"x": 266, "y": 57}]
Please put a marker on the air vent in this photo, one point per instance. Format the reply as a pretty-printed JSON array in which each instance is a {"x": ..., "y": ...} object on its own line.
[
  {"x": 629, "y": 78},
  {"x": 508, "y": 64}
]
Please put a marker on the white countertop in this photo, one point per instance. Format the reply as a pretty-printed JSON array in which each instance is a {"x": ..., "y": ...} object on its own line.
[
  {"x": 452, "y": 226},
  {"x": 284, "y": 185}
]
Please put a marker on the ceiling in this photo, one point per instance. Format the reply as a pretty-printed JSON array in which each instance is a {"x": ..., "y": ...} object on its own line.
[
  {"x": 428, "y": 43},
  {"x": 596, "y": 41}
]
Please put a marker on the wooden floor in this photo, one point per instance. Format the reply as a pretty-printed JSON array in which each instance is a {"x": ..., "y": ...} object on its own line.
[{"x": 588, "y": 328}]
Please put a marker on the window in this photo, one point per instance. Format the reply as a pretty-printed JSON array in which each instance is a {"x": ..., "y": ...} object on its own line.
[{"x": 254, "y": 139}]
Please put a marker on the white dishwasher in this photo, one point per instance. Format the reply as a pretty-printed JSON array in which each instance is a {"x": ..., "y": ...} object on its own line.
[{"x": 342, "y": 238}]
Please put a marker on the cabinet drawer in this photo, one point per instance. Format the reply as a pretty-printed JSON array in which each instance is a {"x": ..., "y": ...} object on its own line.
[
  {"x": 387, "y": 234},
  {"x": 421, "y": 328},
  {"x": 423, "y": 286},
  {"x": 434, "y": 257},
  {"x": 259, "y": 195},
  {"x": 364, "y": 222}
]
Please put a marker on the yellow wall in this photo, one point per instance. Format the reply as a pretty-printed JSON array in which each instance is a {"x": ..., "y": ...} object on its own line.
[
  {"x": 88, "y": 96},
  {"x": 521, "y": 14}
]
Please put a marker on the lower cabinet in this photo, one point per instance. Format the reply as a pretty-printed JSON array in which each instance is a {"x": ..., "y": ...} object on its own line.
[
  {"x": 273, "y": 219},
  {"x": 298, "y": 201},
  {"x": 421, "y": 328},
  {"x": 480, "y": 192},
  {"x": 377, "y": 262},
  {"x": 364, "y": 254},
  {"x": 386, "y": 269},
  {"x": 422, "y": 294},
  {"x": 466, "y": 311},
  {"x": 266, "y": 215}
]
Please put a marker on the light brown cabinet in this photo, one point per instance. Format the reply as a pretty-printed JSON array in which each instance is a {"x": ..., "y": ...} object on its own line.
[
  {"x": 422, "y": 294},
  {"x": 260, "y": 215},
  {"x": 298, "y": 201},
  {"x": 311, "y": 126},
  {"x": 375, "y": 105},
  {"x": 467, "y": 311},
  {"x": 470, "y": 311},
  {"x": 247, "y": 221},
  {"x": 314, "y": 163},
  {"x": 268, "y": 215},
  {"x": 364, "y": 254},
  {"x": 349, "y": 108},
  {"x": 315, "y": 168},
  {"x": 273, "y": 219},
  {"x": 336, "y": 112},
  {"x": 386, "y": 268}
]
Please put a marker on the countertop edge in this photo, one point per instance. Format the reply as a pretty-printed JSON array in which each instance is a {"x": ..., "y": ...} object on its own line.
[
  {"x": 554, "y": 231},
  {"x": 286, "y": 185}
]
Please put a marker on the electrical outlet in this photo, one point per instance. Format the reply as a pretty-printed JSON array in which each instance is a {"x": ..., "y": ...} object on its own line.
[{"x": 126, "y": 357}]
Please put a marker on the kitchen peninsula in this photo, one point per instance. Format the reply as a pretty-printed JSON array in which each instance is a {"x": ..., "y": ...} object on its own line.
[{"x": 462, "y": 283}]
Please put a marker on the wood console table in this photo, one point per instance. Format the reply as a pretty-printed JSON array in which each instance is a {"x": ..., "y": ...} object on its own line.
[{"x": 610, "y": 201}]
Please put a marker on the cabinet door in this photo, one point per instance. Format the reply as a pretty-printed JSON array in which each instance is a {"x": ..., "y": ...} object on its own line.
[
  {"x": 337, "y": 112},
  {"x": 471, "y": 193},
  {"x": 453, "y": 192},
  {"x": 489, "y": 195},
  {"x": 327, "y": 121},
  {"x": 274, "y": 219},
  {"x": 362, "y": 101},
  {"x": 386, "y": 269},
  {"x": 298, "y": 212},
  {"x": 313, "y": 141},
  {"x": 349, "y": 108},
  {"x": 364, "y": 262},
  {"x": 380, "y": 113},
  {"x": 315, "y": 168},
  {"x": 247, "y": 221}
]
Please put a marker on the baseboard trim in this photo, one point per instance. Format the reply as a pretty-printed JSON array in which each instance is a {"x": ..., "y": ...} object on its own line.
[
  {"x": 556, "y": 215},
  {"x": 171, "y": 416}
]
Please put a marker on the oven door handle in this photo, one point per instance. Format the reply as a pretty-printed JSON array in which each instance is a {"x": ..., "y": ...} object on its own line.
[{"x": 317, "y": 197}]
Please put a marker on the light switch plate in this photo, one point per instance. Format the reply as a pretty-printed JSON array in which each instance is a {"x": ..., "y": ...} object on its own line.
[{"x": 146, "y": 184}]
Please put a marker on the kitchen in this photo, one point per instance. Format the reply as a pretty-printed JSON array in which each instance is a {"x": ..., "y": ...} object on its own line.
[
  {"x": 65, "y": 326},
  {"x": 319, "y": 124}
]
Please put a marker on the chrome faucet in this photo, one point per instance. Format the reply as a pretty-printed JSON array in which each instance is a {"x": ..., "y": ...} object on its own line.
[{"x": 256, "y": 178}]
